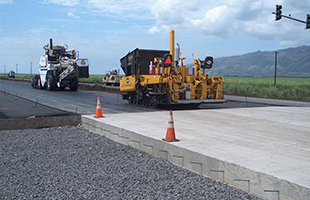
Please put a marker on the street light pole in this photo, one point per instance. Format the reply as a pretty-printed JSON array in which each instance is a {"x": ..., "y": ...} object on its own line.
[
  {"x": 31, "y": 68},
  {"x": 4, "y": 69},
  {"x": 16, "y": 68}
]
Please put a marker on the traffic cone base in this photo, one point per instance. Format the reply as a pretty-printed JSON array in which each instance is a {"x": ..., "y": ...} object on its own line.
[
  {"x": 173, "y": 140},
  {"x": 98, "y": 109},
  {"x": 170, "y": 136}
]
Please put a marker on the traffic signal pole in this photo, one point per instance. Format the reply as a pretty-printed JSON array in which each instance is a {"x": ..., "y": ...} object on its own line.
[
  {"x": 279, "y": 15},
  {"x": 288, "y": 17}
]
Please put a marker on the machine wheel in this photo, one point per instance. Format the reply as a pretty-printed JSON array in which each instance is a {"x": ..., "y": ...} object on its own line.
[
  {"x": 146, "y": 101},
  {"x": 154, "y": 102},
  {"x": 130, "y": 99},
  {"x": 134, "y": 99},
  {"x": 140, "y": 97},
  {"x": 74, "y": 84},
  {"x": 167, "y": 97},
  {"x": 51, "y": 83},
  {"x": 34, "y": 81},
  {"x": 39, "y": 85}
]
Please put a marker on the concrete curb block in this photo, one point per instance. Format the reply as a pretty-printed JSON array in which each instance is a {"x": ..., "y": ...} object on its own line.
[
  {"x": 256, "y": 183},
  {"x": 41, "y": 122}
]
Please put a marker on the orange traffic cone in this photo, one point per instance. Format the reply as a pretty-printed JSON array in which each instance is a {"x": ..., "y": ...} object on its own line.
[
  {"x": 98, "y": 109},
  {"x": 170, "y": 136}
]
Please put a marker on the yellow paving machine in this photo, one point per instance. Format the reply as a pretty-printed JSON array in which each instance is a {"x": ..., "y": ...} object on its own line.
[{"x": 154, "y": 77}]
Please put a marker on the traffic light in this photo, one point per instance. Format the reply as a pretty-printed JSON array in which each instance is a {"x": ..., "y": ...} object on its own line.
[
  {"x": 308, "y": 21},
  {"x": 278, "y": 12}
]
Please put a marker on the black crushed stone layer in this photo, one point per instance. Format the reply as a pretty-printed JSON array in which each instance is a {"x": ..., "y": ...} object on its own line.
[{"x": 74, "y": 163}]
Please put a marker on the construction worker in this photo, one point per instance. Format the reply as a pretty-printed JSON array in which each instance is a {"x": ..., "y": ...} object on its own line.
[{"x": 73, "y": 53}]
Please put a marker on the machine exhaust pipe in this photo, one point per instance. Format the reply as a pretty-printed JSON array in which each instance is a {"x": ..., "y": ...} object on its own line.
[
  {"x": 51, "y": 44},
  {"x": 172, "y": 45}
]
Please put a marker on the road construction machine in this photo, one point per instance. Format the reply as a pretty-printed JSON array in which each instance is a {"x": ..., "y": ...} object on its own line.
[
  {"x": 154, "y": 77},
  {"x": 60, "y": 68},
  {"x": 111, "y": 78}
]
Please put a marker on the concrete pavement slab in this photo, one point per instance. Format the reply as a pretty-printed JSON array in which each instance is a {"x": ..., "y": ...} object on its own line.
[
  {"x": 274, "y": 102},
  {"x": 263, "y": 150}
]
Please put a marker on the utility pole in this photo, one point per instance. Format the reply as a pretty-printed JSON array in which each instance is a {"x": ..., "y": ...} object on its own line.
[
  {"x": 16, "y": 68},
  {"x": 4, "y": 69},
  {"x": 31, "y": 68},
  {"x": 275, "y": 68}
]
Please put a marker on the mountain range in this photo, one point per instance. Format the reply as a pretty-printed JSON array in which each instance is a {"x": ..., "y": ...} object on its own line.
[{"x": 291, "y": 62}]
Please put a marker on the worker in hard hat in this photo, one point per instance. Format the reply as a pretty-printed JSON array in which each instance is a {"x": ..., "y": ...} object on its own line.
[{"x": 73, "y": 53}]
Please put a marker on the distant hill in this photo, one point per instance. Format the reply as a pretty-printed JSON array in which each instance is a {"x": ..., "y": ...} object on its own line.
[{"x": 291, "y": 62}]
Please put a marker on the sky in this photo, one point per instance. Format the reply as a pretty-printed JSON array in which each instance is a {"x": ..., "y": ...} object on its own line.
[{"x": 106, "y": 30}]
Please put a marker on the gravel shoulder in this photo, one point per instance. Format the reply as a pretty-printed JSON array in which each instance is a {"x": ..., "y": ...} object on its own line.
[{"x": 74, "y": 163}]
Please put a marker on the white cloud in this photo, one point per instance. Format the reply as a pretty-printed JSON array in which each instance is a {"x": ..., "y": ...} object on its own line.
[
  {"x": 6, "y": 1},
  {"x": 228, "y": 18},
  {"x": 153, "y": 30},
  {"x": 222, "y": 18},
  {"x": 121, "y": 8},
  {"x": 70, "y": 14},
  {"x": 64, "y": 2},
  {"x": 217, "y": 21}
]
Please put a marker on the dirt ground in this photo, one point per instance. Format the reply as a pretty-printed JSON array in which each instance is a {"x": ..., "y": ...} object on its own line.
[{"x": 95, "y": 87}]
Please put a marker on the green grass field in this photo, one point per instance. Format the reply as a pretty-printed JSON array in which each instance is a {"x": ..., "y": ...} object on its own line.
[
  {"x": 92, "y": 79},
  {"x": 286, "y": 88},
  {"x": 5, "y": 76}
]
